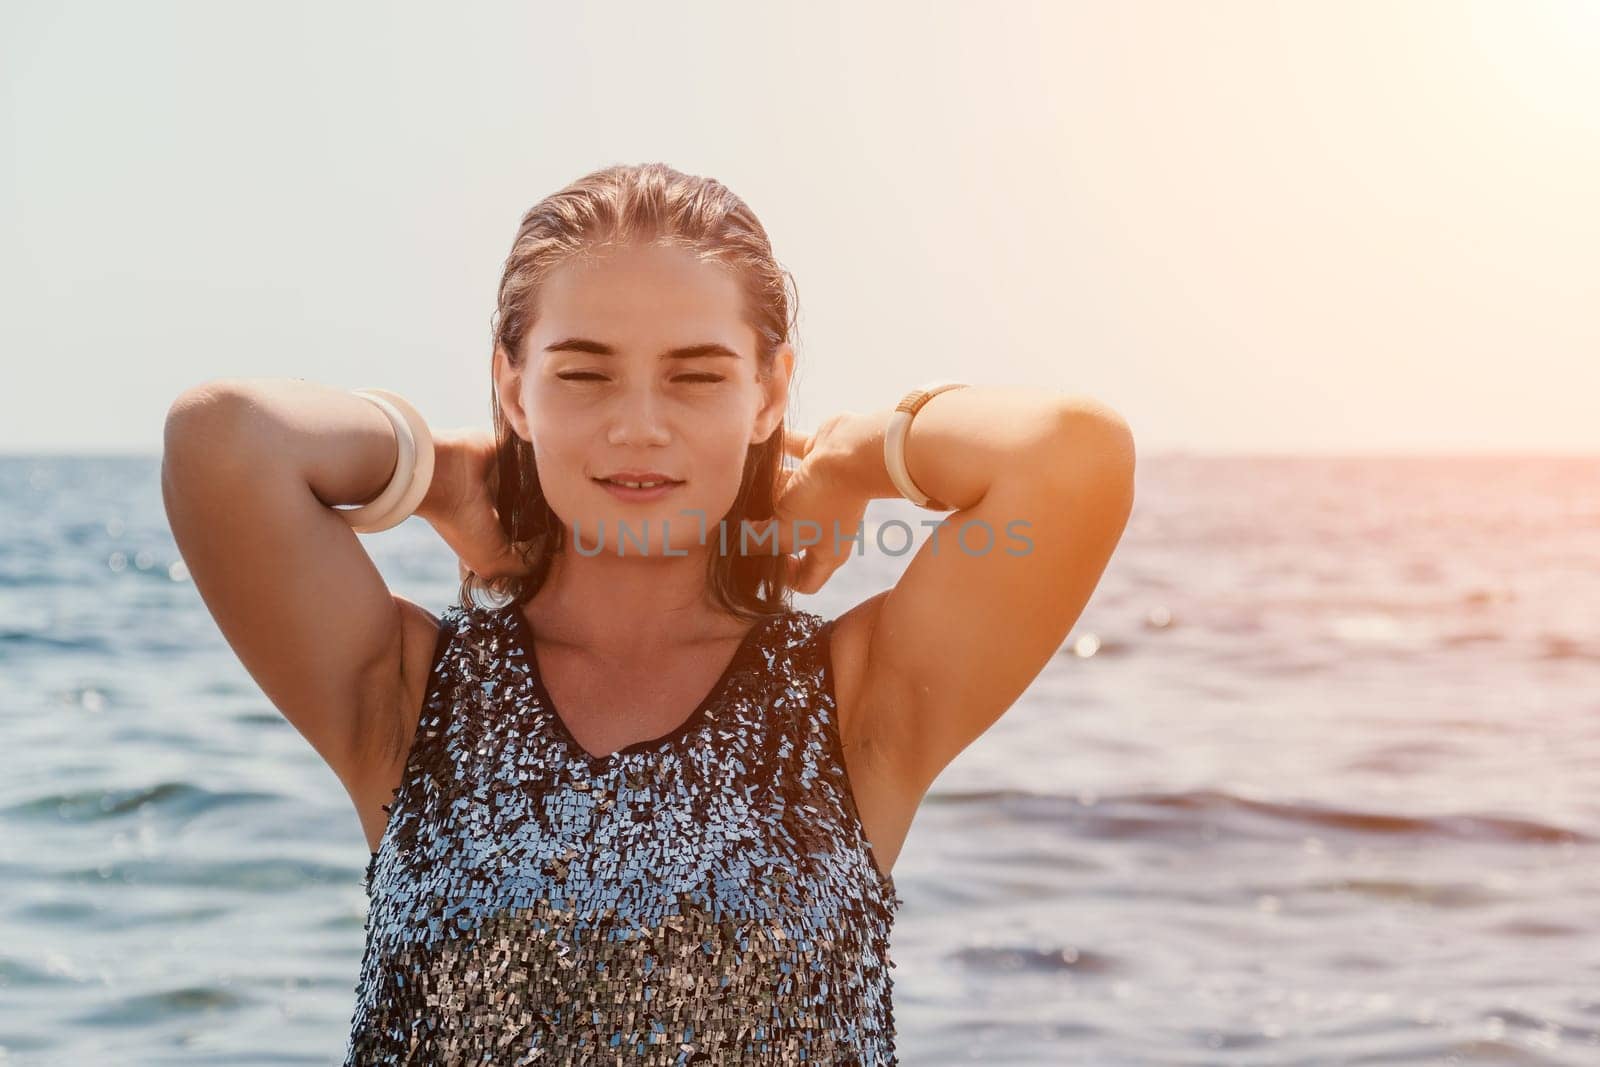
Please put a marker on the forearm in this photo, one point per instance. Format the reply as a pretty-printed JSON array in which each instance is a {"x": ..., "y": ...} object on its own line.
[
  {"x": 964, "y": 441},
  {"x": 340, "y": 444}
]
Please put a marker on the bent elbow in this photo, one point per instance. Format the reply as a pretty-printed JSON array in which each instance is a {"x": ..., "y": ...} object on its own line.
[
  {"x": 1096, "y": 442},
  {"x": 202, "y": 425}
]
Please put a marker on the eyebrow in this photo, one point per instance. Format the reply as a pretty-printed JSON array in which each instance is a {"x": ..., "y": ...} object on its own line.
[{"x": 597, "y": 348}]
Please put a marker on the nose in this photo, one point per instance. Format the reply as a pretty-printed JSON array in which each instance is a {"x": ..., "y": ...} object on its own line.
[{"x": 638, "y": 420}]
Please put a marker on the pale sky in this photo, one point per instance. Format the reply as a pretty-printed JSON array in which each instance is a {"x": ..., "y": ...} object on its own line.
[{"x": 1263, "y": 226}]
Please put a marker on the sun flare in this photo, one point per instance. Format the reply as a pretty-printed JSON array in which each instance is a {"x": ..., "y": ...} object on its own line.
[{"x": 1547, "y": 55}]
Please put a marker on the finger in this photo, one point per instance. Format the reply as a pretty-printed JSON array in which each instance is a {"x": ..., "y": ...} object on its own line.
[
  {"x": 815, "y": 567},
  {"x": 818, "y": 575},
  {"x": 796, "y": 442},
  {"x": 803, "y": 573},
  {"x": 797, "y": 572}
]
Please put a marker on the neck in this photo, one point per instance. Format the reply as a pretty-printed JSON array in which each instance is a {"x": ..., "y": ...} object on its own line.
[{"x": 628, "y": 602}]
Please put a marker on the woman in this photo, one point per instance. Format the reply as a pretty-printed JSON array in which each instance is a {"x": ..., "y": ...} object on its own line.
[{"x": 643, "y": 811}]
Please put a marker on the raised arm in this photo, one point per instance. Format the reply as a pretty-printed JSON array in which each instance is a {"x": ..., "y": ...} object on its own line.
[
  {"x": 250, "y": 471},
  {"x": 1042, "y": 485}
]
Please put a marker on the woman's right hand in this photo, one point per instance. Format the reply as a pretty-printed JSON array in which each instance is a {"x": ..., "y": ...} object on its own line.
[{"x": 460, "y": 504}]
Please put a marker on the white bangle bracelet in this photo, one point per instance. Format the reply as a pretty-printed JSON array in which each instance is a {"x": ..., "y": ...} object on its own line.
[
  {"x": 894, "y": 442},
  {"x": 413, "y": 470}
]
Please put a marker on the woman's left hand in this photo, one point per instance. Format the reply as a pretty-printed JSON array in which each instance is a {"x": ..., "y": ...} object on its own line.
[{"x": 814, "y": 505}]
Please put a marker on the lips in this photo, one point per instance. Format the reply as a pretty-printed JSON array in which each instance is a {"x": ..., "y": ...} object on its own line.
[
  {"x": 645, "y": 479},
  {"x": 628, "y": 493}
]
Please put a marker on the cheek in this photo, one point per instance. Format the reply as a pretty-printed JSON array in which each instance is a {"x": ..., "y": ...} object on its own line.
[
  {"x": 721, "y": 471},
  {"x": 561, "y": 459},
  {"x": 721, "y": 450}
]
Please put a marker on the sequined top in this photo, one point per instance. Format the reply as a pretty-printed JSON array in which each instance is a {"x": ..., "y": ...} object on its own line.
[{"x": 704, "y": 897}]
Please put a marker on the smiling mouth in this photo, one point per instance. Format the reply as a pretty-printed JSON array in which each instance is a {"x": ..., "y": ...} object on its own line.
[{"x": 656, "y": 484}]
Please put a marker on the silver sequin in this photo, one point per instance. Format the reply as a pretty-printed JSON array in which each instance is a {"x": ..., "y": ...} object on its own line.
[{"x": 705, "y": 897}]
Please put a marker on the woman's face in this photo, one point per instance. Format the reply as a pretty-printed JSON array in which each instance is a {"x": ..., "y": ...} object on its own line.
[{"x": 641, "y": 361}]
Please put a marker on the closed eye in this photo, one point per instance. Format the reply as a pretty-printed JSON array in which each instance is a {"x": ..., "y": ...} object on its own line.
[{"x": 575, "y": 376}]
